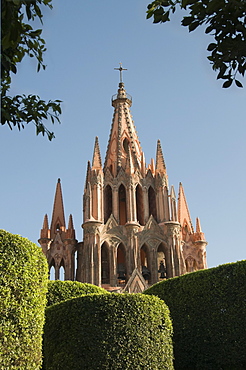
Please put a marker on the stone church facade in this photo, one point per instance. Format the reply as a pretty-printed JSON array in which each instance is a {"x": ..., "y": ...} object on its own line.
[{"x": 135, "y": 231}]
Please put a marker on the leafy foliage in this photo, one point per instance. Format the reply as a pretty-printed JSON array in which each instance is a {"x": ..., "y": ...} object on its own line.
[
  {"x": 208, "y": 309},
  {"x": 23, "y": 286},
  {"x": 20, "y": 39},
  {"x": 112, "y": 331},
  {"x": 59, "y": 291},
  {"x": 225, "y": 20}
]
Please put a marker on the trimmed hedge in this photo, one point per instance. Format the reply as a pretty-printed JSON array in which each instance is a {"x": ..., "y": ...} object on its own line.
[
  {"x": 112, "y": 331},
  {"x": 23, "y": 286},
  {"x": 59, "y": 291},
  {"x": 208, "y": 309}
]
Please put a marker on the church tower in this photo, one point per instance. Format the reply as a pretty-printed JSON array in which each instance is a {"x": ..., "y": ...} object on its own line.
[
  {"x": 136, "y": 232},
  {"x": 57, "y": 242},
  {"x": 131, "y": 220}
]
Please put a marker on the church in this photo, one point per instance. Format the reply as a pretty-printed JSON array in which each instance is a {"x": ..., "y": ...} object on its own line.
[{"x": 135, "y": 232}]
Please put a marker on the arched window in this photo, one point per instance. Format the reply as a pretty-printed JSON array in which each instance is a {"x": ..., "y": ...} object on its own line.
[
  {"x": 145, "y": 265},
  {"x": 139, "y": 205},
  {"x": 52, "y": 270},
  {"x": 152, "y": 202},
  {"x": 121, "y": 264},
  {"x": 62, "y": 271},
  {"x": 107, "y": 202},
  {"x": 161, "y": 263},
  {"x": 122, "y": 205},
  {"x": 105, "y": 264},
  {"x": 126, "y": 145}
]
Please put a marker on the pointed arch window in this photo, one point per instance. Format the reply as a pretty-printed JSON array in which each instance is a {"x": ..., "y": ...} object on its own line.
[
  {"x": 161, "y": 262},
  {"x": 126, "y": 145},
  {"x": 139, "y": 205},
  {"x": 107, "y": 203},
  {"x": 105, "y": 278},
  {"x": 62, "y": 270},
  {"x": 121, "y": 264},
  {"x": 145, "y": 263},
  {"x": 52, "y": 270},
  {"x": 122, "y": 205},
  {"x": 152, "y": 202}
]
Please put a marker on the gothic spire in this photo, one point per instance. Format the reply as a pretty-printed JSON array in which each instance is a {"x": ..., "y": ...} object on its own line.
[
  {"x": 96, "y": 161},
  {"x": 46, "y": 223},
  {"x": 45, "y": 232},
  {"x": 183, "y": 210},
  {"x": 160, "y": 163},
  {"x": 58, "y": 218},
  {"x": 198, "y": 225},
  {"x": 123, "y": 135},
  {"x": 173, "y": 204},
  {"x": 70, "y": 233}
]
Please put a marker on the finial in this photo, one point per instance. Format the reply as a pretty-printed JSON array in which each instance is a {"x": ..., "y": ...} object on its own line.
[
  {"x": 59, "y": 180},
  {"x": 121, "y": 69}
]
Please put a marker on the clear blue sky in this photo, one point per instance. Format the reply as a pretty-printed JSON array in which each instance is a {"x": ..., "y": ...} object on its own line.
[{"x": 176, "y": 99}]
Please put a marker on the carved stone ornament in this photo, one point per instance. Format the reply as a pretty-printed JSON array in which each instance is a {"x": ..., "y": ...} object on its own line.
[
  {"x": 91, "y": 229},
  {"x": 173, "y": 230}
]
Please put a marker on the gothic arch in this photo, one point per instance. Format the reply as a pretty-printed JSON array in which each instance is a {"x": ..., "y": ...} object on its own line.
[
  {"x": 161, "y": 261},
  {"x": 52, "y": 269},
  {"x": 122, "y": 205},
  {"x": 125, "y": 145},
  {"x": 105, "y": 264},
  {"x": 121, "y": 263},
  {"x": 62, "y": 271},
  {"x": 152, "y": 202},
  {"x": 108, "y": 205},
  {"x": 145, "y": 262},
  {"x": 140, "y": 204}
]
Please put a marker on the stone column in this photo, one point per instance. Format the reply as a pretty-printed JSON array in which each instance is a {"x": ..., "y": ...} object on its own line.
[
  {"x": 115, "y": 202},
  {"x": 146, "y": 204},
  {"x": 173, "y": 233}
]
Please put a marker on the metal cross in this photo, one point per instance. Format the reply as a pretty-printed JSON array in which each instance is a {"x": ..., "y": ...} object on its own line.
[{"x": 121, "y": 69}]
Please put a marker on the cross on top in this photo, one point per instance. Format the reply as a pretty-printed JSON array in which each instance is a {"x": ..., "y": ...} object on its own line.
[{"x": 121, "y": 69}]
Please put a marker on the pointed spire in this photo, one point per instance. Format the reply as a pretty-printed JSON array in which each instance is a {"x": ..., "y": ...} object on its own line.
[
  {"x": 70, "y": 233},
  {"x": 143, "y": 165},
  {"x": 199, "y": 234},
  {"x": 183, "y": 210},
  {"x": 160, "y": 163},
  {"x": 173, "y": 204},
  {"x": 58, "y": 218},
  {"x": 152, "y": 166},
  {"x": 198, "y": 225},
  {"x": 88, "y": 173},
  {"x": 45, "y": 232},
  {"x": 70, "y": 222},
  {"x": 96, "y": 161},
  {"x": 172, "y": 193},
  {"x": 46, "y": 223},
  {"x": 123, "y": 135}
]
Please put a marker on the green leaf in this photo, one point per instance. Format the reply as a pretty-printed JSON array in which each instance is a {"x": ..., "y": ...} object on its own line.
[
  {"x": 238, "y": 83},
  {"x": 211, "y": 46},
  {"x": 187, "y": 20},
  {"x": 227, "y": 83},
  {"x": 194, "y": 25}
]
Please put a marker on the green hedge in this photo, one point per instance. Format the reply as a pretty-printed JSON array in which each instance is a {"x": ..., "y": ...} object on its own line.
[
  {"x": 113, "y": 331},
  {"x": 59, "y": 291},
  {"x": 23, "y": 286},
  {"x": 208, "y": 309}
]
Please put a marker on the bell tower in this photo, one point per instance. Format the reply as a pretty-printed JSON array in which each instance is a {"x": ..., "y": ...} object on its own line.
[
  {"x": 57, "y": 242},
  {"x": 136, "y": 232},
  {"x": 132, "y": 223}
]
